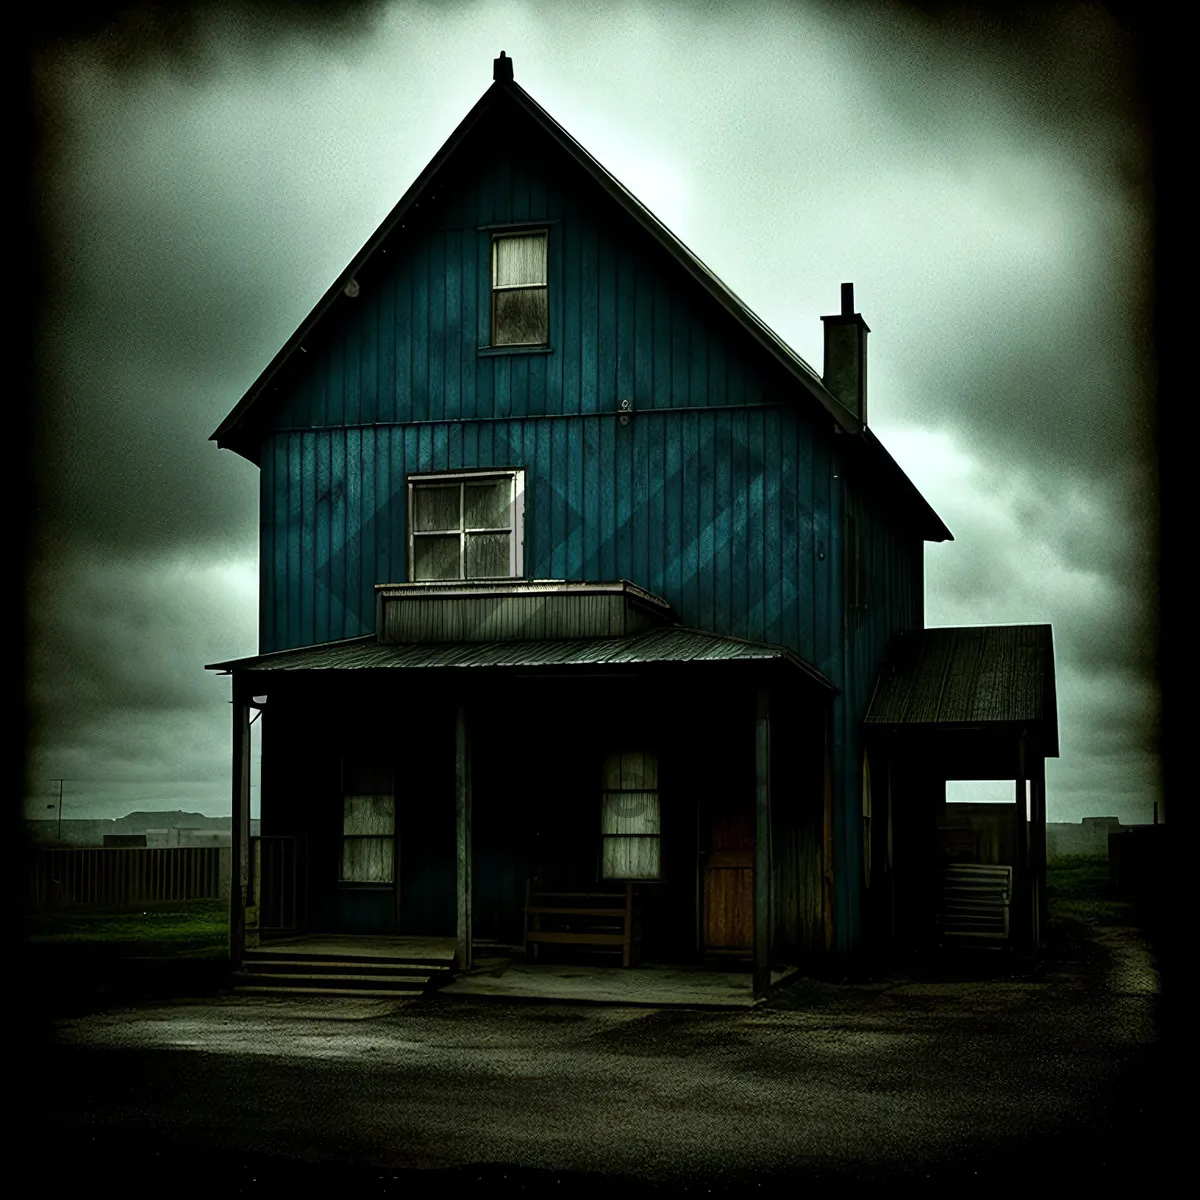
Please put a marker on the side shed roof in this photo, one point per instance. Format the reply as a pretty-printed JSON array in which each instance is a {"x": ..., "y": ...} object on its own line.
[{"x": 999, "y": 676}]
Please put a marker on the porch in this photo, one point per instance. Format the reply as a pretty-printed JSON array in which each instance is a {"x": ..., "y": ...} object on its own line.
[{"x": 427, "y": 790}]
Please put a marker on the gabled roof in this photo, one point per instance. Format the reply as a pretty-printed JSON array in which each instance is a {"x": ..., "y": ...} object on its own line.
[
  {"x": 997, "y": 676},
  {"x": 231, "y": 431}
]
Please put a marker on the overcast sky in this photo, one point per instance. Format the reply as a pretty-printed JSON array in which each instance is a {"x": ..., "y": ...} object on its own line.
[{"x": 986, "y": 189}]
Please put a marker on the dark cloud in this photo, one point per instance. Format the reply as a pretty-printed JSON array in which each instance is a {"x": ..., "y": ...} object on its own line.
[{"x": 981, "y": 176}]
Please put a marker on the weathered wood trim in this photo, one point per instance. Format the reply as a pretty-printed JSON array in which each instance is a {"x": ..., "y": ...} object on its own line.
[
  {"x": 762, "y": 844},
  {"x": 240, "y": 822},
  {"x": 462, "y": 816},
  {"x": 827, "y": 832}
]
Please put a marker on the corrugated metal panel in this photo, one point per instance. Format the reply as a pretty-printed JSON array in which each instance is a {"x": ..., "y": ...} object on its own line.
[
  {"x": 975, "y": 902},
  {"x": 657, "y": 646},
  {"x": 968, "y": 676}
]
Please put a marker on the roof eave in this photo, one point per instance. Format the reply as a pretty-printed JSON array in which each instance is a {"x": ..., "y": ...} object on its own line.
[{"x": 933, "y": 529}]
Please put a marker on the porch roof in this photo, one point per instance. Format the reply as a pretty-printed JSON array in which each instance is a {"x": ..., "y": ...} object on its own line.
[
  {"x": 969, "y": 677},
  {"x": 675, "y": 644}
]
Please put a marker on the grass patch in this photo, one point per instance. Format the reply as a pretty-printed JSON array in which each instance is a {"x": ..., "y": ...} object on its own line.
[
  {"x": 193, "y": 927},
  {"x": 1078, "y": 889}
]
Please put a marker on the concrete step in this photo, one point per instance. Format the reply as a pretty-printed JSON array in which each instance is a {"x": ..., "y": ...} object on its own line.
[
  {"x": 263, "y": 990},
  {"x": 276, "y": 964},
  {"x": 305, "y": 979},
  {"x": 432, "y": 962}
]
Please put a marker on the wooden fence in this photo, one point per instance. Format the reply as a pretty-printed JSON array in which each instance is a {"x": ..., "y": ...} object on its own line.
[{"x": 123, "y": 875}]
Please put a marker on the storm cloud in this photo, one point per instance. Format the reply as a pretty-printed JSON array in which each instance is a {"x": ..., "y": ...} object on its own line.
[{"x": 984, "y": 183}]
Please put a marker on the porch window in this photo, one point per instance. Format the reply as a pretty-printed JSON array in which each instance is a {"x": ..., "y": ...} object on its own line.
[
  {"x": 520, "y": 307},
  {"x": 465, "y": 526},
  {"x": 368, "y": 819},
  {"x": 631, "y": 831}
]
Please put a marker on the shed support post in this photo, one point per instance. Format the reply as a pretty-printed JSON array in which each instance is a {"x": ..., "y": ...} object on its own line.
[
  {"x": 762, "y": 844},
  {"x": 1023, "y": 906},
  {"x": 240, "y": 897},
  {"x": 462, "y": 815},
  {"x": 1038, "y": 840}
]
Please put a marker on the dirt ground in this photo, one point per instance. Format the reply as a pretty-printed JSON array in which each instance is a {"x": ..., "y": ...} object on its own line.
[{"x": 1051, "y": 1073}]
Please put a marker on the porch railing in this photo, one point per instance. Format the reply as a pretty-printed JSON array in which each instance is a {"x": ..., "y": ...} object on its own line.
[
  {"x": 123, "y": 875},
  {"x": 277, "y": 887}
]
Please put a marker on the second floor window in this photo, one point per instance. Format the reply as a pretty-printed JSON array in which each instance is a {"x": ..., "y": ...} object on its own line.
[
  {"x": 465, "y": 526},
  {"x": 520, "y": 306}
]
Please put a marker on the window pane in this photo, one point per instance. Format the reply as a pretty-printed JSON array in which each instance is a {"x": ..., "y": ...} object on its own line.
[
  {"x": 435, "y": 508},
  {"x": 521, "y": 318},
  {"x": 520, "y": 260},
  {"x": 366, "y": 772},
  {"x": 630, "y": 812},
  {"x": 487, "y": 556},
  {"x": 435, "y": 557},
  {"x": 488, "y": 505},
  {"x": 367, "y": 860},
  {"x": 630, "y": 858},
  {"x": 368, "y": 815},
  {"x": 632, "y": 770}
]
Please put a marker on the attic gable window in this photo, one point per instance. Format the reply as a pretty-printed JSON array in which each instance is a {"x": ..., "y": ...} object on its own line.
[
  {"x": 465, "y": 526},
  {"x": 520, "y": 305}
]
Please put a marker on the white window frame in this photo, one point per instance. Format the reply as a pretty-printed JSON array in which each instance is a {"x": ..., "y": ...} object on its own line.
[
  {"x": 516, "y": 547},
  {"x": 517, "y": 287}
]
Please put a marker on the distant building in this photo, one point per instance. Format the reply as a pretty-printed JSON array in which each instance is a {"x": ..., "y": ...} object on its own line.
[
  {"x": 169, "y": 828},
  {"x": 1066, "y": 839}
]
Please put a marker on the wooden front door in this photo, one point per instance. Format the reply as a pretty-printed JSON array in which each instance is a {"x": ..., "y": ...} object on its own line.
[{"x": 727, "y": 875}]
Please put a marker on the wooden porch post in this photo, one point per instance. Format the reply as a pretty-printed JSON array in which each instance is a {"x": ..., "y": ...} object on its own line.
[
  {"x": 762, "y": 844},
  {"x": 462, "y": 814},
  {"x": 240, "y": 824}
]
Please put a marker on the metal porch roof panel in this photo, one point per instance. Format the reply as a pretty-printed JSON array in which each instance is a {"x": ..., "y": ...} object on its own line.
[
  {"x": 672, "y": 645},
  {"x": 972, "y": 675}
]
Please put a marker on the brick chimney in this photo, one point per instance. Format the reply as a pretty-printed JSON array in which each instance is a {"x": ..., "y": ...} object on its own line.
[{"x": 845, "y": 373}]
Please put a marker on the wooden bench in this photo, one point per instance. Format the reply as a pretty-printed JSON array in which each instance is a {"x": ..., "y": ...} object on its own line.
[{"x": 591, "y": 920}]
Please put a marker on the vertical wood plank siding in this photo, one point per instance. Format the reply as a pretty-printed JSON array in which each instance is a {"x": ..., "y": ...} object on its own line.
[{"x": 724, "y": 493}]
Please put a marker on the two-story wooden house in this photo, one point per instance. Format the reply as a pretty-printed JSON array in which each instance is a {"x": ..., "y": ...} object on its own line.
[{"x": 576, "y": 579}]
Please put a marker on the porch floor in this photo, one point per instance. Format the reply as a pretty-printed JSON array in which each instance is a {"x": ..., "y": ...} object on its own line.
[
  {"x": 362, "y": 946},
  {"x": 649, "y": 984}
]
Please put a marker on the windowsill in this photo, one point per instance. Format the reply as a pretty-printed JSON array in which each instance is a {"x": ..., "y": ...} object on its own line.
[{"x": 492, "y": 351}]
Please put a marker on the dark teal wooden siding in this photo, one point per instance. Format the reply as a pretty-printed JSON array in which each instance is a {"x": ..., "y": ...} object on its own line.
[
  {"x": 706, "y": 509},
  {"x": 725, "y": 493}
]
